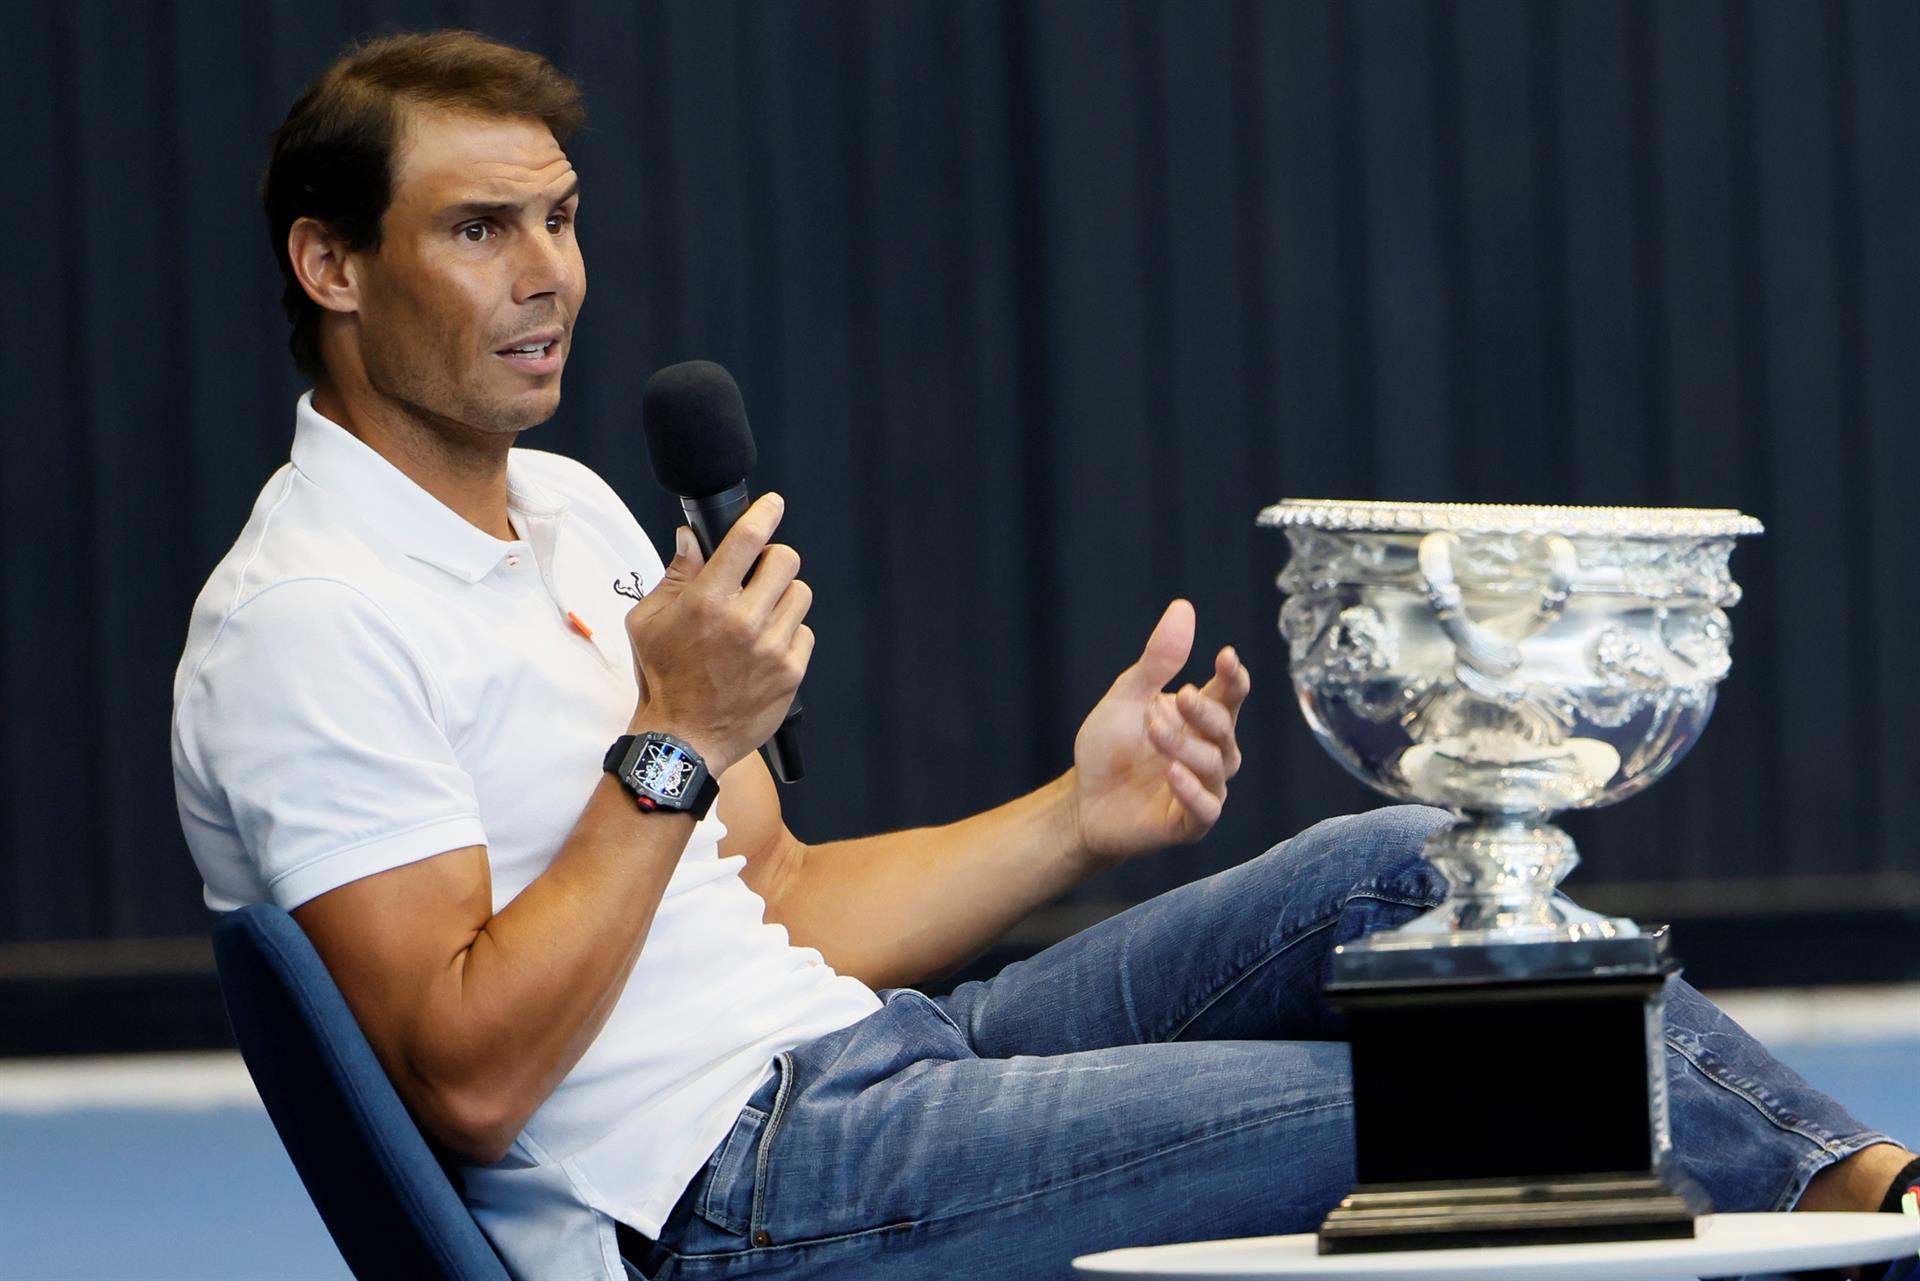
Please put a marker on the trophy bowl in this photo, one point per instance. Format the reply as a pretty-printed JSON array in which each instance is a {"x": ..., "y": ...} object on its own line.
[{"x": 1506, "y": 663}]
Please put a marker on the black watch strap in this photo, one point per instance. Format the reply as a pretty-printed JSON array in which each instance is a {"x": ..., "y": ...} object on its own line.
[{"x": 663, "y": 773}]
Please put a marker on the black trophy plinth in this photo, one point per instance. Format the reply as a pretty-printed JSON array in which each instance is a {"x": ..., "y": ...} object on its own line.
[{"x": 1508, "y": 1094}]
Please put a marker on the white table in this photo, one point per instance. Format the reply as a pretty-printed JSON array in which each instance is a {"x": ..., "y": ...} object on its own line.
[{"x": 1726, "y": 1245}]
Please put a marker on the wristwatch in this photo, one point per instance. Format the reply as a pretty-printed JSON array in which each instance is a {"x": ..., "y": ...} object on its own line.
[{"x": 663, "y": 773}]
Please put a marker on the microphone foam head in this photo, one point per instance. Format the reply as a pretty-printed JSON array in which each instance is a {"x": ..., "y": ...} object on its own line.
[{"x": 697, "y": 429}]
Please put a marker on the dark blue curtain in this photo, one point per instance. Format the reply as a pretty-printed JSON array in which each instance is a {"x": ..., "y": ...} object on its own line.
[{"x": 1034, "y": 305}]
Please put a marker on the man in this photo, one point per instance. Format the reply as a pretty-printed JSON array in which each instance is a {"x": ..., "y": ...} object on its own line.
[{"x": 413, "y": 709}]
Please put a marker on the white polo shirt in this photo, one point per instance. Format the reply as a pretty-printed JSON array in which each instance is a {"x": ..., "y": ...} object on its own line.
[{"x": 370, "y": 680}]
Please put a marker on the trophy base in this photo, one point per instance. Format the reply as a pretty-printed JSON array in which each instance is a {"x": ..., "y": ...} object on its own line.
[
  {"x": 1426, "y": 1216},
  {"x": 1508, "y": 1094},
  {"x": 1397, "y": 957}
]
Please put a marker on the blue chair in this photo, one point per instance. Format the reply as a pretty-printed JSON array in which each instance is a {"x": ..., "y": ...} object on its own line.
[{"x": 385, "y": 1196}]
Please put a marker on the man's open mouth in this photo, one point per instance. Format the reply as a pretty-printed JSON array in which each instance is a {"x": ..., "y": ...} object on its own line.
[{"x": 539, "y": 354}]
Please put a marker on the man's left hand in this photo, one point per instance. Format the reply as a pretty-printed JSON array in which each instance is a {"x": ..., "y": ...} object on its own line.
[{"x": 1151, "y": 766}]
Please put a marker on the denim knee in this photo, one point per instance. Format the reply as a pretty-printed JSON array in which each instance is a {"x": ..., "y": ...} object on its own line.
[
  {"x": 1375, "y": 855},
  {"x": 1375, "y": 851}
]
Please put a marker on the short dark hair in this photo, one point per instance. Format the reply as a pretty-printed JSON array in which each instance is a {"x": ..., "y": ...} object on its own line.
[{"x": 332, "y": 157}]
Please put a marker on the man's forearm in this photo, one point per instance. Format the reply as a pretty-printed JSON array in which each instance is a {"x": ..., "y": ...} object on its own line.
[
  {"x": 542, "y": 975},
  {"x": 908, "y": 906},
  {"x": 477, "y": 1015}
]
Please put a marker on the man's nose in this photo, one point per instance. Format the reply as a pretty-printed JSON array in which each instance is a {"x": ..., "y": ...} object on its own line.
[{"x": 546, "y": 266}]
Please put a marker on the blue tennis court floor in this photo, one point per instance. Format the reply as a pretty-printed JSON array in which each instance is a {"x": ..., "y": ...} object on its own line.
[{"x": 165, "y": 1168}]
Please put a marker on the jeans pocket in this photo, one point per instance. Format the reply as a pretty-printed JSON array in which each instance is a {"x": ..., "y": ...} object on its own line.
[
  {"x": 730, "y": 1196},
  {"x": 726, "y": 1201}
]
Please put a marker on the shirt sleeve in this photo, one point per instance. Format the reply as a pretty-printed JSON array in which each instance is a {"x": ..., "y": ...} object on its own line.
[{"x": 315, "y": 735}]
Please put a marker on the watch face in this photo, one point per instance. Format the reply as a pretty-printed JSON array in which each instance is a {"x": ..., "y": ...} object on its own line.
[{"x": 664, "y": 770}]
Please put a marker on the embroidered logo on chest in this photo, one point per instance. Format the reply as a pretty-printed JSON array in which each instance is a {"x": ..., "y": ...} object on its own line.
[{"x": 631, "y": 590}]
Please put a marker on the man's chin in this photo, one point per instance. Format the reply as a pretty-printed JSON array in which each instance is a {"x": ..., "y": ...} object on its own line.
[{"x": 518, "y": 413}]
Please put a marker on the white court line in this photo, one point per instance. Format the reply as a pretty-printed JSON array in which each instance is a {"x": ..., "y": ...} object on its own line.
[
  {"x": 1826, "y": 1015},
  {"x": 170, "y": 1082},
  {"x": 218, "y": 1079}
]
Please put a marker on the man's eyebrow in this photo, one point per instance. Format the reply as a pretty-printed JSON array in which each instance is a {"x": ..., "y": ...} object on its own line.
[{"x": 502, "y": 208}]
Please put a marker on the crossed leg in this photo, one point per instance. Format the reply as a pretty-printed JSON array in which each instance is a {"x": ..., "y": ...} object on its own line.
[{"x": 1170, "y": 1074}]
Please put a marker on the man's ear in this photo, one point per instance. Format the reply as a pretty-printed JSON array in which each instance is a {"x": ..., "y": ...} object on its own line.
[{"x": 321, "y": 265}]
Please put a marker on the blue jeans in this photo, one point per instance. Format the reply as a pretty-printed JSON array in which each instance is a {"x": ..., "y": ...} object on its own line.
[{"x": 1171, "y": 1074}]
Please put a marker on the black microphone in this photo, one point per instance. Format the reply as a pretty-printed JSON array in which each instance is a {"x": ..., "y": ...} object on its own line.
[{"x": 702, "y": 450}]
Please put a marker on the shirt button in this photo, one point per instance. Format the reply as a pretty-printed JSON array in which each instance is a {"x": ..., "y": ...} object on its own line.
[{"x": 761, "y": 1238}]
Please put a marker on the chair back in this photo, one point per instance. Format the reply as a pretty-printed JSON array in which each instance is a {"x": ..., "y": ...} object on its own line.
[{"x": 383, "y": 1194}]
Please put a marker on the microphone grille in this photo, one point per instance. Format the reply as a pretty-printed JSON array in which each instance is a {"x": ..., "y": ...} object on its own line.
[{"x": 697, "y": 431}]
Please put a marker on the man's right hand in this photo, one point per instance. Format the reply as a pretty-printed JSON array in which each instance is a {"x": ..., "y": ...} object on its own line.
[{"x": 719, "y": 658}]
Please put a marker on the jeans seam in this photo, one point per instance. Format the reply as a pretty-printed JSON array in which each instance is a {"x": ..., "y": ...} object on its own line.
[
  {"x": 708, "y": 1210},
  {"x": 1213, "y": 998},
  {"x": 993, "y": 1206},
  {"x": 1827, "y": 1144},
  {"x": 756, "y": 1221}
]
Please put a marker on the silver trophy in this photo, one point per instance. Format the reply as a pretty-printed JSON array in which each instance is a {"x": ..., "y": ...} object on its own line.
[{"x": 1507, "y": 663}]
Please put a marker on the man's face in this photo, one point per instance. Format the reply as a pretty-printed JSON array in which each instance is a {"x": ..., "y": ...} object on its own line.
[{"x": 477, "y": 264}]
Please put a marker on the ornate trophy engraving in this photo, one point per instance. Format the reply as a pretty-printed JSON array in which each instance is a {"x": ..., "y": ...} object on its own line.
[{"x": 1507, "y": 663}]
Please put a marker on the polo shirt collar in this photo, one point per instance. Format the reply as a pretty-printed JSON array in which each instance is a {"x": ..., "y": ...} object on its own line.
[{"x": 416, "y": 522}]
